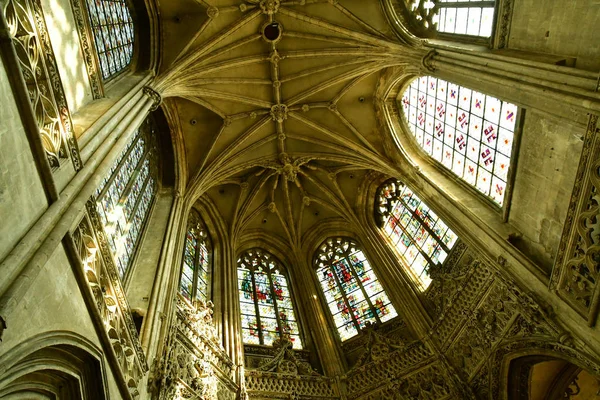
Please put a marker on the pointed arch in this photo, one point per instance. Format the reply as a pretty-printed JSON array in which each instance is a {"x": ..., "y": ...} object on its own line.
[
  {"x": 467, "y": 132},
  {"x": 267, "y": 310},
  {"x": 350, "y": 287}
]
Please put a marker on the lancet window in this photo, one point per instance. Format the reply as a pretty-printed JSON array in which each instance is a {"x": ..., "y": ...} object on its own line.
[
  {"x": 125, "y": 196},
  {"x": 462, "y": 17},
  {"x": 265, "y": 300},
  {"x": 351, "y": 289},
  {"x": 113, "y": 30},
  {"x": 468, "y": 132},
  {"x": 421, "y": 238},
  {"x": 193, "y": 284}
]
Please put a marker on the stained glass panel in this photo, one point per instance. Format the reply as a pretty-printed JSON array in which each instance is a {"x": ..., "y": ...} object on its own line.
[
  {"x": 471, "y": 133},
  {"x": 420, "y": 237},
  {"x": 350, "y": 287},
  {"x": 196, "y": 260},
  {"x": 125, "y": 195},
  {"x": 113, "y": 31},
  {"x": 265, "y": 295}
]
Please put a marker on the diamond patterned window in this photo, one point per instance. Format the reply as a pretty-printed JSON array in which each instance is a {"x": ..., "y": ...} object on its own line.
[
  {"x": 468, "y": 132},
  {"x": 193, "y": 284},
  {"x": 113, "y": 31},
  {"x": 352, "y": 291},
  {"x": 420, "y": 237},
  {"x": 125, "y": 196},
  {"x": 265, "y": 300}
]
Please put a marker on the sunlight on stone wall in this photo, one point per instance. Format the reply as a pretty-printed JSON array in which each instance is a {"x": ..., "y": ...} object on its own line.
[{"x": 66, "y": 46}]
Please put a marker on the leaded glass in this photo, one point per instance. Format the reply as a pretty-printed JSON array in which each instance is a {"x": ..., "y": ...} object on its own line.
[
  {"x": 125, "y": 195},
  {"x": 265, "y": 301},
  {"x": 112, "y": 27},
  {"x": 352, "y": 291},
  {"x": 420, "y": 237},
  {"x": 474, "y": 18},
  {"x": 193, "y": 284},
  {"x": 468, "y": 132}
]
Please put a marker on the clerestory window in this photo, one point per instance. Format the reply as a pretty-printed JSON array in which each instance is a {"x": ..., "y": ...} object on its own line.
[
  {"x": 468, "y": 132},
  {"x": 459, "y": 17},
  {"x": 194, "y": 281},
  {"x": 125, "y": 196},
  {"x": 265, "y": 300},
  {"x": 419, "y": 236},
  {"x": 351, "y": 289},
  {"x": 113, "y": 31}
]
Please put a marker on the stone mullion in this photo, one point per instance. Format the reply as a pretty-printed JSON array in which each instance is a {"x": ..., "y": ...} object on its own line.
[
  {"x": 427, "y": 228},
  {"x": 256, "y": 311},
  {"x": 314, "y": 319},
  {"x": 363, "y": 290},
  {"x": 396, "y": 282},
  {"x": 344, "y": 296}
]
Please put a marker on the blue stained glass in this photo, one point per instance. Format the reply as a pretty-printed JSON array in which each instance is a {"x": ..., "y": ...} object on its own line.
[{"x": 112, "y": 25}]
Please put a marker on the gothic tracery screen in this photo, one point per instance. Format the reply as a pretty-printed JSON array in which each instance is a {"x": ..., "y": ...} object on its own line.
[
  {"x": 470, "y": 133},
  {"x": 124, "y": 197},
  {"x": 421, "y": 238},
  {"x": 352, "y": 291},
  {"x": 265, "y": 300},
  {"x": 112, "y": 27},
  {"x": 193, "y": 284}
]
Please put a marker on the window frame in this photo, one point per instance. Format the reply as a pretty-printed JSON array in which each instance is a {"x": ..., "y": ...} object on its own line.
[
  {"x": 89, "y": 47},
  {"x": 504, "y": 210},
  {"x": 283, "y": 271},
  {"x": 145, "y": 131},
  {"x": 323, "y": 299},
  {"x": 195, "y": 221},
  {"x": 381, "y": 218}
]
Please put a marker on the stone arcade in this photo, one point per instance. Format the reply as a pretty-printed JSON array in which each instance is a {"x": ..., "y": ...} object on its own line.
[{"x": 299, "y": 199}]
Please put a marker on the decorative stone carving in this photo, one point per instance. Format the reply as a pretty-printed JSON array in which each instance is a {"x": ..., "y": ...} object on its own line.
[
  {"x": 88, "y": 49},
  {"x": 279, "y": 112},
  {"x": 505, "y": 18},
  {"x": 27, "y": 29},
  {"x": 154, "y": 96},
  {"x": 111, "y": 302},
  {"x": 577, "y": 267},
  {"x": 270, "y": 7}
]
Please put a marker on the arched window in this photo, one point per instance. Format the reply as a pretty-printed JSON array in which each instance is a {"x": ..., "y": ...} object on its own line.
[
  {"x": 421, "y": 238},
  {"x": 352, "y": 291},
  {"x": 265, "y": 300},
  {"x": 462, "y": 17},
  {"x": 193, "y": 284},
  {"x": 470, "y": 133},
  {"x": 113, "y": 31},
  {"x": 124, "y": 197}
]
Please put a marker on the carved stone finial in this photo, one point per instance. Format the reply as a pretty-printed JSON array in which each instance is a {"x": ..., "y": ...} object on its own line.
[
  {"x": 270, "y": 7},
  {"x": 212, "y": 12},
  {"x": 429, "y": 60},
  {"x": 279, "y": 112},
  {"x": 154, "y": 96}
]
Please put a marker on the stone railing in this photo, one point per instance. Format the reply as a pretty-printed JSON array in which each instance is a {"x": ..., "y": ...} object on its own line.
[
  {"x": 112, "y": 305},
  {"x": 195, "y": 365}
]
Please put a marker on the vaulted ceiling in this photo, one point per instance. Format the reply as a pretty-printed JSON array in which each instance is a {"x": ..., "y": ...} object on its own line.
[{"x": 274, "y": 105}]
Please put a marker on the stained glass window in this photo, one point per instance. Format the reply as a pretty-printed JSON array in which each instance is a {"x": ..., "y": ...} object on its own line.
[
  {"x": 475, "y": 18},
  {"x": 352, "y": 291},
  {"x": 112, "y": 27},
  {"x": 470, "y": 133},
  {"x": 193, "y": 284},
  {"x": 421, "y": 238},
  {"x": 124, "y": 197},
  {"x": 265, "y": 300}
]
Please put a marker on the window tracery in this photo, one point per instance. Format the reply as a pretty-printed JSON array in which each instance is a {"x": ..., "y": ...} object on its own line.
[
  {"x": 351, "y": 289},
  {"x": 420, "y": 237},
  {"x": 113, "y": 30},
  {"x": 473, "y": 18},
  {"x": 265, "y": 300},
  {"x": 193, "y": 284},
  {"x": 124, "y": 197},
  {"x": 468, "y": 132}
]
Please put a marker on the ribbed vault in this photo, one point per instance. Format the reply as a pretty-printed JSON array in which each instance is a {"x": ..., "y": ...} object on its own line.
[{"x": 278, "y": 128}]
